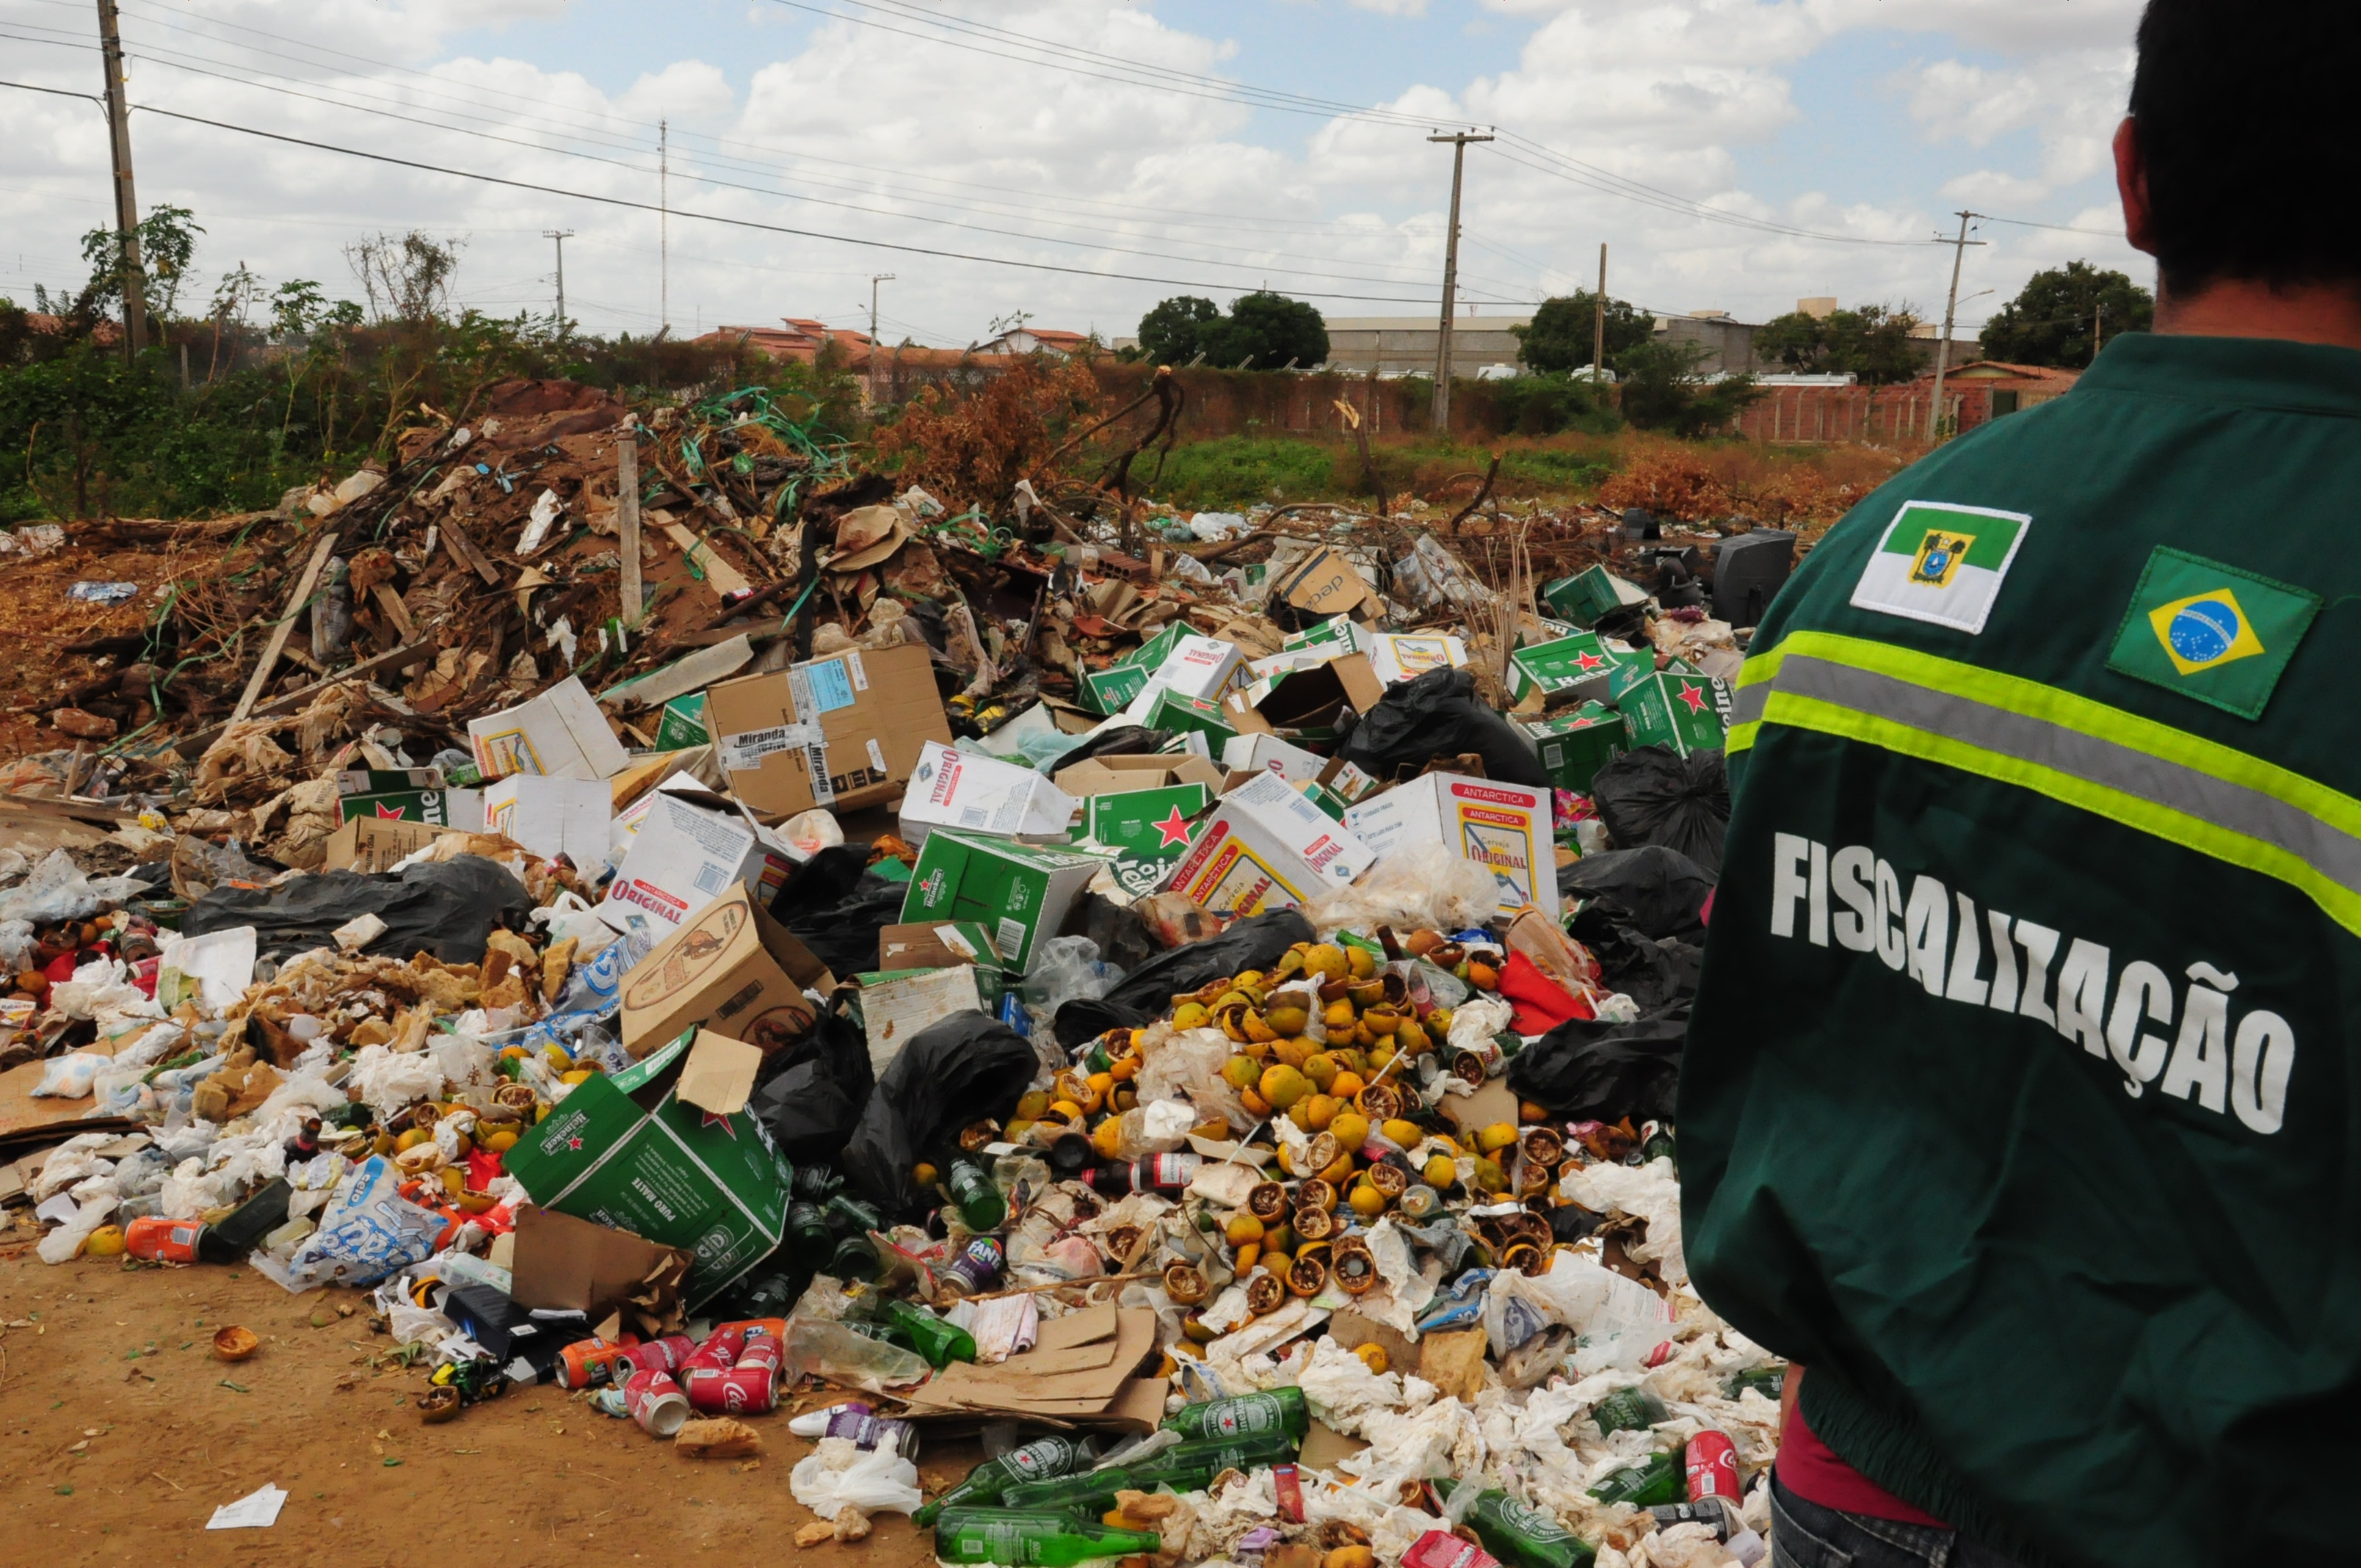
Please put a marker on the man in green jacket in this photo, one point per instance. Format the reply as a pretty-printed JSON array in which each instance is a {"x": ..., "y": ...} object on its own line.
[{"x": 2019, "y": 1105}]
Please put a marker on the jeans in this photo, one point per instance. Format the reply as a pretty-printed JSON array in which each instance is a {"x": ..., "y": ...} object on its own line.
[{"x": 1805, "y": 1535}]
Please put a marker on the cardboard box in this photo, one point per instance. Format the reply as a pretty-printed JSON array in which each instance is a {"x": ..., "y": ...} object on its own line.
[
  {"x": 553, "y": 817},
  {"x": 373, "y": 844},
  {"x": 1305, "y": 702},
  {"x": 1021, "y": 893},
  {"x": 1326, "y": 800},
  {"x": 1554, "y": 666},
  {"x": 1161, "y": 770},
  {"x": 1290, "y": 660},
  {"x": 666, "y": 1150},
  {"x": 1266, "y": 848},
  {"x": 939, "y": 944},
  {"x": 897, "y": 1003},
  {"x": 1203, "y": 667},
  {"x": 560, "y": 733},
  {"x": 978, "y": 793},
  {"x": 1585, "y": 596},
  {"x": 1504, "y": 828},
  {"x": 1326, "y": 583},
  {"x": 1329, "y": 638},
  {"x": 1574, "y": 745},
  {"x": 1395, "y": 658},
  {"x": 1112, "y": 689},
  {"x": 1688, "y": 713},
  {"x": 681, "y": 724},
  {"x": 1270, "y": 755},
  {"x": 732, "y": 966},
  {"x": 563, "y": 1263},
  {"x": 1159, "y": 708},
  {"x": 841, "y": 733},
  {"x": 685, "y": 849},
  {"x": 1147, "y": 830}
]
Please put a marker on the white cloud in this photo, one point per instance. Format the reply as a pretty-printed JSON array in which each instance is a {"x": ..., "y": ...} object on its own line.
[{"x": 1391, "y": 7}]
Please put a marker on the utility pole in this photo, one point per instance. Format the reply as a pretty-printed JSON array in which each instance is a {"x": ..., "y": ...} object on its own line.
[
  {"x": 560, "y": 236},
  {"x": 2098, "y": 324},
  {"x": 874, "y": 280},
  {"x": 663, "y": 221},
  {"x": 1458, "y": 140},
  {"x": 127, "y": 205},
  {"x": 1950, "y": 308},
  {"x": 1599, "y": 324}
]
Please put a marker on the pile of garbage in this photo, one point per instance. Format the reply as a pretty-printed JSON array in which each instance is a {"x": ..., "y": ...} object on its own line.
[{"x": 1215, "y": 1032}]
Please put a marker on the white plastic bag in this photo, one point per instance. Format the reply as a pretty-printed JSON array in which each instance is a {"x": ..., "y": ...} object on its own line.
[
  {"x": 69, "y": 1076},
  {"x": 1419, "y": 886},
  {"x": 837, "y": 1476},
  {"x": 812, "y": 831},
  {"x": 568, "y": 915}
]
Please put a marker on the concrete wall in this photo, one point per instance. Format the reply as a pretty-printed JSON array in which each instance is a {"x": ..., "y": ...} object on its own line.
[{"x": 1396, "y": 346}]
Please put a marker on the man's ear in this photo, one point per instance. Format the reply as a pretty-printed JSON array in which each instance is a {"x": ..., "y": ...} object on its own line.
[{"x": 2131, "y": 185}]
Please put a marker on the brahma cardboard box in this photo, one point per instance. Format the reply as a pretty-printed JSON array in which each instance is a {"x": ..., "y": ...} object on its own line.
[
  {"x": 731, "y": 966},
  {"x": 842, "y": 732},
  {"x": 666, "y": 1150},
  {"x": 1266, "y": 846},
  {"x": 1503, "y": 827}
]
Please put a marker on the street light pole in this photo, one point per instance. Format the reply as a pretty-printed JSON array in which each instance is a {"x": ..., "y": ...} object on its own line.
[
  {"x": 875, "y": 279},
  {"x": 1951, "y": 309},
  {"x": 127, "y": 205}
]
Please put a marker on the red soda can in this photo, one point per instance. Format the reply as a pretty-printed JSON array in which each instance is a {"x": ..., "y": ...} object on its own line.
[
  {"x": 1712, "y": 1464},
  {"x": 730, "y": 1391},
  {"x": 669, "y": 1354},
  {"x": 588, "y": 1362},
  {"x": 762, "y": 1351},
  {"x": 720, "y": 1348},
  {"x": 655, "y": 1402}
]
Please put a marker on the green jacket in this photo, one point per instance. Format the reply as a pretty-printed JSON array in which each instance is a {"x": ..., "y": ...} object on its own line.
[{"x": 2019, "y": 1102}]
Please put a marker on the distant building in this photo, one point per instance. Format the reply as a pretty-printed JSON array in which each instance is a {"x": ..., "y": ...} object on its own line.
[
  {"x": 1046, "y": 340},
  {"x": 798, "y": 338},
  {"x": 1986, "y": 390},
  {"x": 1406, "y": 345}
]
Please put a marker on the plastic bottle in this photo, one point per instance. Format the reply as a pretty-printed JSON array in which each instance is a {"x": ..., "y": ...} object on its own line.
[
  {"x": 1038, "y": 1540},
  {"x": 940, "y": 1342},
  {"x": 1658, "y": 1479},
  {"x": 1246, "y": 1416},
  {"x": 1519, "y": 1534},
  {"x": 979, "y": 1202},
  {"x": 1037, "y": 1461}
]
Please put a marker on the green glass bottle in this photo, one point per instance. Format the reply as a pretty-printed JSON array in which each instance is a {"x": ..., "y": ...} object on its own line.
[
  {"x": 856, "y": 1260},
  {"x": 940, "y": 1342},
  {"x": 1032, "y": 1540},
  {"x": 1246, "y": 1415},
  {"x": 1660, "y": 1479},
  {"x": 1037, "y": 1461},
  {"x": 1768, "y": 1381},
  {"x": 1522, "y": 1535},
  {"x": 1185, "y": 1467},
  {"x": 809, "y": 1240},
  {"x": 979, "y": 1202},
  {"x": 1629, "y": 1410}
]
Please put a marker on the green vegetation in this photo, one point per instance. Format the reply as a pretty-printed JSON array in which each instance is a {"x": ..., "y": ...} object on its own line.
[
  {"x": 1547, "y": 405},
  {"x": 1664, "y": 388},
  {"x": 1564, "y": 332},
  {"x": 1263, "y": 331},
  {"x": 2051, "y": 319},
  {"x": 1233, "y": 471},
  {"x": 1873, "y": 343}
]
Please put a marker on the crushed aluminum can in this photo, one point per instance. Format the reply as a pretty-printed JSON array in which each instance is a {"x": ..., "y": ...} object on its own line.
[{"x": 655, "y": 1402}]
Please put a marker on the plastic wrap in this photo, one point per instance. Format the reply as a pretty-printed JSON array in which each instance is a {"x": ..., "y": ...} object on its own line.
[{"x": 1420, "y": 887}]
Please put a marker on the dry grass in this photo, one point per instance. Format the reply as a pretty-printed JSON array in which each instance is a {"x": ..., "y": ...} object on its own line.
[{"x": 1695, "y": 483}]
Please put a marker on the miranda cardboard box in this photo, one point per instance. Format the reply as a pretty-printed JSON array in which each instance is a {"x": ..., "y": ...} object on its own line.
[
  {"x": 1266, "y": 846},
  {"x": 980, "y": 793},
  {"x": 667, "y": 1151},
  {"x": 559, "y": 733},
  {"x": 732, "y": 966},
  {"x": 553, "y": 817},
  {"x": 843, "y": 732},
  {"x": 1021, "y": 893},
  {"x": 1503, "y": 827}
]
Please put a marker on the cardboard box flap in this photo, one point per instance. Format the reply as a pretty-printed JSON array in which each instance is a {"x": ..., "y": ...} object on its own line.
[
  {"x": 719, "y": 1074},
  {"x": 1098, "y": 1322},
  {"x": 1116, "y": 775},
  {"x": 563, "y": 1263},
  {"x": 1306, "y": 698}
]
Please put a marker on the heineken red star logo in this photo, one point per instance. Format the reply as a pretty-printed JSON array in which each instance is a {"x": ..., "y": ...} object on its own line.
[
  {"x": 1174, "y": 830},
  {"x": 1588, "y": 661},
  {"x": 1694, "y": 697},
  {"x": 720, "y": 1119},
  {"x": 392, "y": 811},
  {"x": 575, "y": 1144}
]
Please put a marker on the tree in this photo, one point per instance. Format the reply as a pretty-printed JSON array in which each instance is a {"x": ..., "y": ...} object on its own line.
[
  {"x": 2051, "y": 319},
  {"x": 168, "y": 239},
  {"x": 1266, "y": 331},
  {"x": 1564, "y": 330},
  {"x": 407, "y": 279},
  {"x": 1665, "y": 388},
  {"x": 1873, "y": 343},
  {"x": 1168, "y": 334}
]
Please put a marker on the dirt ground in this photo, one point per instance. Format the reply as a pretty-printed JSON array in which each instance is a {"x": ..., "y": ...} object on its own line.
[{"x": 120, "y": 1434}]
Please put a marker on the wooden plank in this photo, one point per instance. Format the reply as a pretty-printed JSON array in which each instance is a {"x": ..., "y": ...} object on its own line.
[
  {"x": 279, "y": 633},
  {"x": 627, "y": 525},
  {"x": 192, "y": 747},
  {"x": 719, "y": 575},
  {"x": 397, "y": 612},
  {"x": 464, "y": 550}
]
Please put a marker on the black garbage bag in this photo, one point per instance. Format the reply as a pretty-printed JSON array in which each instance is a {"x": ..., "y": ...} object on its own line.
[
  {"x": 1438, "y": 714},
  {"x": 811, "y": 1095},
  {"x": 1653, "y": 971},
  {"x": 1653, "y": 794},
  {"x": 1121, "y": 933},
  {"x": 1584, "y": 1071},
  {"x": 961, "y": 1069},
  {"x": 443, "y": 907},
  {"x": 1654, "y": 888},
  {"x": 1122, "y": 741},
  {"x": 821, "y": 883},
  {"x": 843, "y": 933},
  {"x": 1142, "y": 996}
]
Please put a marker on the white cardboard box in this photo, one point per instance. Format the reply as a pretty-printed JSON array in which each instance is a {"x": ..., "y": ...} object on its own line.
[
  {"x": 1266, "y": 846},
  {"x": 559, "y": 734},
  {"x": 980, "y": 793},
  {"x": 1270, "y": 755},
  {"x": 688, "y": 850},
  {"x": 1403, "y": 656},
  {"x": 1503, "y": 827},
  {"x": 1203, "y": 667},
  {"x": 553, "y": 817}
]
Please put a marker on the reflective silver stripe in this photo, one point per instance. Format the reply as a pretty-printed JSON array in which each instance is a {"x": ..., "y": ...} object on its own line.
[
  {"x": 2232, "y": 807},
  {"x": 1746, "y": 703}
]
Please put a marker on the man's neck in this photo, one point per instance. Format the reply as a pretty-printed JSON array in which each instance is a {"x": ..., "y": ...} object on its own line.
[{"x": 2238, "y": 307}]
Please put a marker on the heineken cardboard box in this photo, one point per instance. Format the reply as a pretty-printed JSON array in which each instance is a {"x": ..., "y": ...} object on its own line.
[
  {"x": 1160, "y": 770},
  {"x": 1266, "y": 846},
  {"x": 667, "y": 1151},
  {"x": 1585, "y": 596},
  {"x": 687, "y": 848},
  {"x": 406, "y": 794},
  {"x": 1305, "y": 703},
  {"x": 1688, "y": 713},
  {"x": 1019, "y": 892},
  {"x": 681, "y": 724},
  {"x": 1573, "y": 746},
  {"x": 843, "y": 732},
  {"x": 1503, "y": 827},
  {"x": 1570, "y": 660},
  {"x": 1112, "y": 689},
  {"x": 1625, "y": 675},
  {"x": 1396, "y": 657},
  {"x": 1270, "y": 755},
  {"x": 1146, "y": 831},
  {"x": 559, "y": 732},
  {"x": 1159, "y": 708},
  {"x": 978, "y": 793},
  {"x": 729, "y": 966}
]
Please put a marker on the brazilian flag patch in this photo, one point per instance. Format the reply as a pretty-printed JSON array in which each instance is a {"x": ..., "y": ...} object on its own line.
[{"x": 2214, "y": 633}]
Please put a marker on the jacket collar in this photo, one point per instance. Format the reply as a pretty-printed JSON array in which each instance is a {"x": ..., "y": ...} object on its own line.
[{"x": 2255, "y": 372}]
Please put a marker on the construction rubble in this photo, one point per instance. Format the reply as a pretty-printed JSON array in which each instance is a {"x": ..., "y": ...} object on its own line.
[{"x": 1195, "y": 999}]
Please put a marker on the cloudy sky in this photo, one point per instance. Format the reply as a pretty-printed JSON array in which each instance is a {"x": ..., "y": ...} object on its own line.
[{"x": 1733, "y": 154}]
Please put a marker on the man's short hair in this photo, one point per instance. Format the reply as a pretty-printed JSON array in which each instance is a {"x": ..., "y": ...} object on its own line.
[{"x": 2244, "y": 122}]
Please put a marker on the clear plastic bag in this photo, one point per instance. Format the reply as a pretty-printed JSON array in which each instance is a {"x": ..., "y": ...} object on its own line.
[
  {"x": 1419, "y": 886},
  {"x": 837, "y": 1476},
  {"x": 57, "y": 890},
  {"x": 1066, "y": 968}
]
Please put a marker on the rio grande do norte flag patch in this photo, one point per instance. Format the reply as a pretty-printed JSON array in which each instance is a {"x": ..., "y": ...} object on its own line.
[
  {"x": 2210, "y": 631},
  {"x": 1941, "y": 562}
]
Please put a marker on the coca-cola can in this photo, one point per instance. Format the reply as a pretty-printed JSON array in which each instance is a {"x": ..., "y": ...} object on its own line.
[
  {"x": 731, "y": 1391},
  {"x": 655, "y": 1401},
  {"x": 761, "y": 1351},
  {"x": 1712, "y": 1463},
  {"x": 669, "y": 1354},
  {"x": 721, "y": 1349}
]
